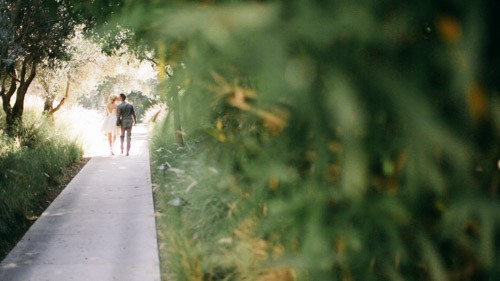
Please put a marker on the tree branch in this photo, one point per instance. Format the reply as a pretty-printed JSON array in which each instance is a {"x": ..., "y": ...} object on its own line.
[
  {"x": 151, "y": 60},
  {"x": 14, "y": 77},
  {"x": 63, "y": 100},
  {"x": 32, "y": 73}
]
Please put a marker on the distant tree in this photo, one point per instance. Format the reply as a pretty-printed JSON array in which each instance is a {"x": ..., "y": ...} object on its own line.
[
  {"x": 34, "y": 34},
  {"x": 86, "y": 65},
  {"x": 142, "y": 88},
  {"x": 49, "y": 108}
]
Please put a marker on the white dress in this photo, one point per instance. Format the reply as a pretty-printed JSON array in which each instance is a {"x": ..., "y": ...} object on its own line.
[{"x": 109, "y": 124}]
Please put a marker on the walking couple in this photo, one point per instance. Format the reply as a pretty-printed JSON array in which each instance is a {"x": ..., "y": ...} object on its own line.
[{"x": 119, "y": 117}]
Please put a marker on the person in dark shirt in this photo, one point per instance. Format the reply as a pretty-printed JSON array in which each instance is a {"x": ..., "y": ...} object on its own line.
[{"x": 125, "y": 119}]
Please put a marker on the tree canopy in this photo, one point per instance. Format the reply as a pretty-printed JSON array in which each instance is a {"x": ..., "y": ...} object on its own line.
[{"x": 34, "y": 34}]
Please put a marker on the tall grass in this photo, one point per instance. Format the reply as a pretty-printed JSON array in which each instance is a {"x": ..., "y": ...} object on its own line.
[
  {"x": 32, "y": 167},
  {"x": 206, "y": 229}
]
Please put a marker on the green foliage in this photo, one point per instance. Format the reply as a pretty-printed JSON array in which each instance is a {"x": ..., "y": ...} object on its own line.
[
  {"x": 34, "y": 33},
  {"x": 141, "y": 102},
  {"x": 31, "y": 170},
  {"x": 41, "y": 39},
  {"x": 331, "y": 140},
  {"x": 194, "y": 215}
]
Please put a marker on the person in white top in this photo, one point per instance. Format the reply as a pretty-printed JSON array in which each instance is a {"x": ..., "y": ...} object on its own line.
[{"x": 109, "y": 127}]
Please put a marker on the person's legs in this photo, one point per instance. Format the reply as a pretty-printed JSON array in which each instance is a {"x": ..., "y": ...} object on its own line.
[
  {"x": 110, "y": 141},
  {"x": 122, "y": 136},
  {"x": 129, "y": 138},
  {"x": 113, "y": 140}
]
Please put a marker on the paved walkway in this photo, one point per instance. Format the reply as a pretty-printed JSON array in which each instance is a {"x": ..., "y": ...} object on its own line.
[{"x": 100, "y": 228}]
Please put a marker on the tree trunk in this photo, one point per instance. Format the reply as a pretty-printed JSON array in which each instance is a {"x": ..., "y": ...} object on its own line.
[
  {"x": 6, "y": 96},
  {"x": 164, "y": 71},
  {"x": 15, "y": 114},
  {"x": 48, "y": 104},
  {"x": 177, "y": 119},
  {"x": 51, "y": 110}
]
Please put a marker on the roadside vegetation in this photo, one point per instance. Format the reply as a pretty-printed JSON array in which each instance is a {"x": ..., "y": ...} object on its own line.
[
  {"x": 320, "y": 140},
  {"x": 35, "y": 165}
]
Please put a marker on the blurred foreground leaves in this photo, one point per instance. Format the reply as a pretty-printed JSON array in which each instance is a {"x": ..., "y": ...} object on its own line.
[{"x": 350, "y": 141}]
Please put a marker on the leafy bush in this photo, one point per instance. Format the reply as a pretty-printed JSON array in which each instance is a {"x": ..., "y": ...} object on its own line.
[{"x": 332, "y": 141}]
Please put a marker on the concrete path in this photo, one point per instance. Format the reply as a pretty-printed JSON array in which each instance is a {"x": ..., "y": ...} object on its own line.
[{"x": 100, "y": 228}]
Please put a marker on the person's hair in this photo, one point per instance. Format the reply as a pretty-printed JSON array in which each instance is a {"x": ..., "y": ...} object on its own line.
[
  {"x": 123, "y": 96},
  {"x": 111, "y": 98}
]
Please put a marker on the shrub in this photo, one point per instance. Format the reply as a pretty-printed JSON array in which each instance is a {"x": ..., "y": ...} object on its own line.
[{"x": 333, "y": 141}]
